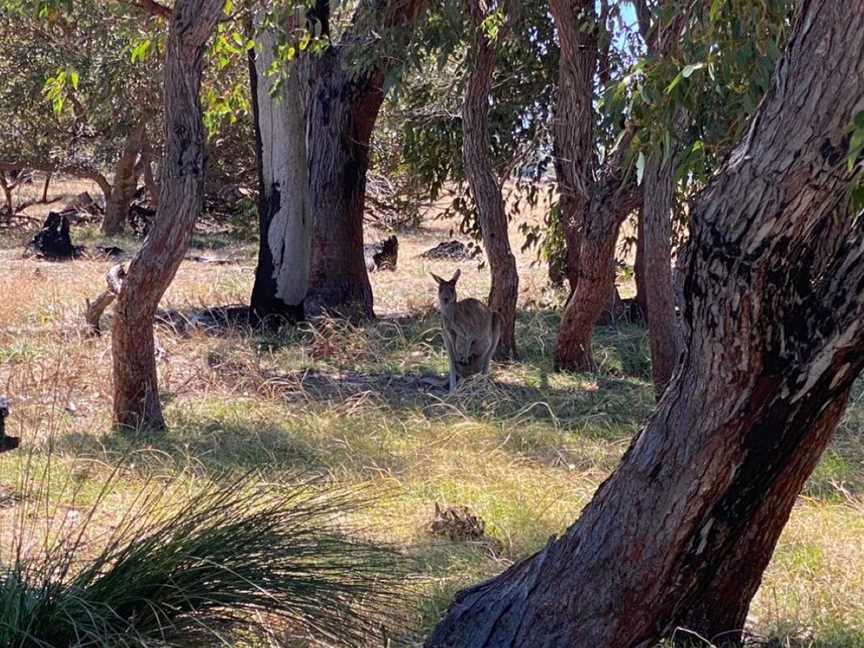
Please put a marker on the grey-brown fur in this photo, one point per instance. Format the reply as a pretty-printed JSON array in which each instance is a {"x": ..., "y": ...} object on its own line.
[{"x": 471, "y": 331}]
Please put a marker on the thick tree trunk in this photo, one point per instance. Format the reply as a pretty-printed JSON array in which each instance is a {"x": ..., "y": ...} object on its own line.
[
  {"x": 774, "y": 290},
  {"x": 342, "y": 111},
  {"x": 285, "y": 206},
  {"x": 136, "y": 393},
  {"x": 123, "y": 191},
  {"x": 342, "y": 115},
  {"x": 484, "y": 186},
  {"x": 664, "y": 333}
]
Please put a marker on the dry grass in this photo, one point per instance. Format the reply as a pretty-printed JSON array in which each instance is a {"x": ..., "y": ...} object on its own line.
[{"x": 524, "y": 449}]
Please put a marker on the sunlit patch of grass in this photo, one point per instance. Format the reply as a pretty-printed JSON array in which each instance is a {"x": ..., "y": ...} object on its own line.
[{"x": 523, "y": 449}]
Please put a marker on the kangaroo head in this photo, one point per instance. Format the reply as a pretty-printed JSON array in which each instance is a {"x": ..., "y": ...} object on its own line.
[{"x": 446, "y": 290}]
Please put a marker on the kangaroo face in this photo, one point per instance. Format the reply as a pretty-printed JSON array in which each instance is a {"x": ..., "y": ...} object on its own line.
[{"x": 446, "y": 290}]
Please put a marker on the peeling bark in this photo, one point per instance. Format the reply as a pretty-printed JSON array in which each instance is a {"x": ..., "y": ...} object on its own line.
[
  {"x": 136, "y": 393},
  {"x": 485, "y": 189},
  {"x": 285, "y": 206},
  {"x": 774, "y": 313}
]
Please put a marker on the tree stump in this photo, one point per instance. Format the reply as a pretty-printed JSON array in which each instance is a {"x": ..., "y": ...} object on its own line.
[{"x": 53, "y": 240}]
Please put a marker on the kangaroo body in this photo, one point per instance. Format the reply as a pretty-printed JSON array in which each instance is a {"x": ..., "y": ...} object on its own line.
[{"x": 471, "y": 331}]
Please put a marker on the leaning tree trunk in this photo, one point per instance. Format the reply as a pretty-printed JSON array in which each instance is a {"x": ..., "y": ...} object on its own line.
[
  {"x": 680, "y": 534},
  {"x": 123, "y": 191},
  {"x": 656, "y": 227},
  {"x": 484, "y": 186},
  {"x": 285, "y": 206},
  {"x": 136, "y": 393}
]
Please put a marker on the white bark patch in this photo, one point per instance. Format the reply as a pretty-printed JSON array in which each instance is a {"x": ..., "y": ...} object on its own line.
[
  {"x": 285, "y": 170},
  {"x": 821, "y": 363}
]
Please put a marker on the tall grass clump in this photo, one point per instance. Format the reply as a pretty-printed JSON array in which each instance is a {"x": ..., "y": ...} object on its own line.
[{"x": 240, "y": 558}]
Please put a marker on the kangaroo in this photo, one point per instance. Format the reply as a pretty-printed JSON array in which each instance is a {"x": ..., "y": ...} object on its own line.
[{"x": 471, "y": 331}]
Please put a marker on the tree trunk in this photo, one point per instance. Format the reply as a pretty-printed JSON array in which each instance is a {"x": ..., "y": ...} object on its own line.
[
  {"x": 123, "y": 191},
  {"x": 484, "y": 186},
  {"x": 7, "y": 194},
  {"x": 285, "y": 206},
  {"x": 610, "y": 204},
  {"x": 656, "y": 226},
  {"x": 45, "y": 187},
  {"x": 595, "y": 209},
  {"x": 639, "y": 266},
  {"x": 342, "y": 111},
  {"x": 573, "y": 126},
  {"x": 342, "y": 115},
  {"x": 774, "y": 290},
  {"x": 136, "y": 394},
  {"x": 150, "y": 181}
]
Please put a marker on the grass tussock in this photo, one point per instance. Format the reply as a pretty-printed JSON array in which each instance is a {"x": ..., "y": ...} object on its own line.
[{"x": 196, "y": 566}]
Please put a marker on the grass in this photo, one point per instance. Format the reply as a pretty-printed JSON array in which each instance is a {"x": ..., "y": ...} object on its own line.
[
  {"x": 365, "y": 405},
  {"x": 193, "y": 565}
]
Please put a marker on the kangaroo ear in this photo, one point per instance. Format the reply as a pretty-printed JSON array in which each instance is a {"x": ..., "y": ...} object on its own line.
[
  {"x": 456, "y": 276},
  {"x": 437, "y": 279}
]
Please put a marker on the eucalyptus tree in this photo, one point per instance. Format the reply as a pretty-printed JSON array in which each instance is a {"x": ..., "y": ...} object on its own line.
[
  {"x": 343, "y": 81},
  {"x": 705, "y": 71},
  {"x": 681, "y": 106},
  {"x": 680, "y": 534},
  {"x": 73, "y": 97},
  {"x": 490, "y": 25},
  {"x": 136, "y": 392}
]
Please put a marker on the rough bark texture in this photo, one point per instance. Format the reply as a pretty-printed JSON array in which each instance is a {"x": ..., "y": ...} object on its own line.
[
  {"x": 664, "y": 332},
  {"x": 122, "y": 192},
  {"x": 594, "y": 203},
  {"x": 657, "y": 210},
  {"x": 344, "y": 106},
  {"x": 136, "y": 394},
  {"x": 774, "y": 290},
  {"x": 613, "y": 198},
  {"x": 485, "y": 188},
  {"x": 285, "y": 206},
  {"x": 572, "y": 128}
]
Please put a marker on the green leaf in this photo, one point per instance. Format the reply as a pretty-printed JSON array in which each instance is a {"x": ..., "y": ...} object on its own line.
[
  {"x": 73, "y": 79},
  {"x": 716, "y": 7},
  {"x": 859, "y": 120}
]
